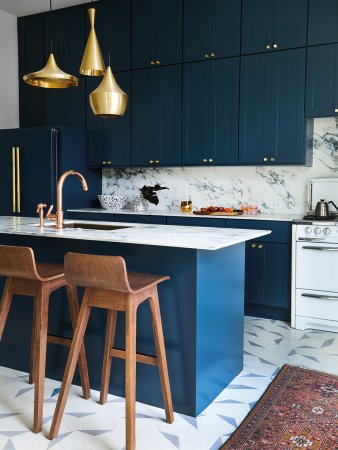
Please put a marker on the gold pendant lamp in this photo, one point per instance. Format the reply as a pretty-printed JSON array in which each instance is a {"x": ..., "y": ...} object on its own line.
[
  {"x": 108, "y": 100},
  {"x": 92, "y": 62},
  {"x": 51, "y": 76}
]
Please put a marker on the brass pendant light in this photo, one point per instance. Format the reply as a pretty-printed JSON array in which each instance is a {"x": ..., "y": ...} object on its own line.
[
  {"x": 51, "y": 76},
  {"x": 92, "y": 62},
  {"x": 108, "y": 100}
]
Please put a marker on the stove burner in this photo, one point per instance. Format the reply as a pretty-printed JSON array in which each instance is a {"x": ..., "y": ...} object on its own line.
[{"x": 320, "y": 219}]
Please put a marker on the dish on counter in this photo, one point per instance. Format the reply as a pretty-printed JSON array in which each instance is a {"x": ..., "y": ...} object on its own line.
[
  {"x": 112, "y": 201},
  {"x": 218, "y": 211}
]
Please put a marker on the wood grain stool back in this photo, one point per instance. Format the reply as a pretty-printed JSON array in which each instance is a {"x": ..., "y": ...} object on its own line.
[{"x": 18, "y": 262}]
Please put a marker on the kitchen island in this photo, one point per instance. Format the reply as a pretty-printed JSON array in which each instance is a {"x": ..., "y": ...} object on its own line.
[{"x": 202, "y": 305}]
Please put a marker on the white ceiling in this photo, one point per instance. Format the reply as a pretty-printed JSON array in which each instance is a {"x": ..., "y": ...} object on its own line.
[{"x": 26, "y": 7}]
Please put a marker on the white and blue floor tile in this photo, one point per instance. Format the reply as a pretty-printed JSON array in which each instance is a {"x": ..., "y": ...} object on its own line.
[{"x": 87, "y": 425}]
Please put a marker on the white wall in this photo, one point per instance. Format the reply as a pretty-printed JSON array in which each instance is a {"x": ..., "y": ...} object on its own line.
[
  {"x": 9, "y": 88},
  {"x": 277, "y": 189}
]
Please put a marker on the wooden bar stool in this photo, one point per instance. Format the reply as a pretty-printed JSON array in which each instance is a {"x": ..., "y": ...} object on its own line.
[
  {"x": 109, "y": 286},
  {"x": 38, "y": 280}
]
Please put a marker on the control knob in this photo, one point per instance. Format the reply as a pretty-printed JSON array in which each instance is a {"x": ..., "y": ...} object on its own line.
[
  {"x": 327, "y": 231},
  {"x": 308, "y": 230},
  {"x": 317, "y": 230}
]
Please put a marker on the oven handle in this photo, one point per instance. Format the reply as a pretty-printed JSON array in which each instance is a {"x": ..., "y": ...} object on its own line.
[
  {"x": 322, "y": 297},
  {"x": 323, "y": 249}
]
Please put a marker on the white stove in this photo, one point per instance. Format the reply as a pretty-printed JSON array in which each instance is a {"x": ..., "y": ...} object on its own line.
[{"x": 315, "y": 275}]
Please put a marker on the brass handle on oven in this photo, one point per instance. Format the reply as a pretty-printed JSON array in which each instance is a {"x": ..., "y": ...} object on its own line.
[
  {"x": 13, "y": 181},
  {"x": 18, "y": 191}
]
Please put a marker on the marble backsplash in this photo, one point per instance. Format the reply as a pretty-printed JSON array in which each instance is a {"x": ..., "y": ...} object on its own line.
[{"x": 276, "y": 189}]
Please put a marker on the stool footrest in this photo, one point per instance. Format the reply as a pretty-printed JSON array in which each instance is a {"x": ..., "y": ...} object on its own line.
[
  {"x": 59, "y": 340},
  {"x": 140, "y": 357}
]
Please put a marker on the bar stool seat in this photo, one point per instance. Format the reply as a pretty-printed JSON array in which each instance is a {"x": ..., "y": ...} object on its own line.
[
  {"x": 25, "y": 276},
  {"x": 109, "y": 286}
]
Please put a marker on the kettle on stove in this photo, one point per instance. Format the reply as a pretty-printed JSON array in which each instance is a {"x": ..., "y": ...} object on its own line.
[{"x": 322, "y": 210}]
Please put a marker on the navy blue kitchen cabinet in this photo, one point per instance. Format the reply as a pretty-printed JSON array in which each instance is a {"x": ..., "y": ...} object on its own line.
[
  {"x": 323, "y": 22},
  {"x": 109, "y": 140},
  {"x": 211, "y": 29},
  {"x": 156, "y": 32},
  {"x": 100, "y": 217},
  {"x": 113, "y": 30},
  {"x": 270, "y": 25},
  {"x": 32, "y": 159},
  {"x": 156, "y": 116},
  {"x": 272, "y": 124},
  {"x": 138, "y": 218},
  {"x": 195, "y": 221},
  {"x": 267, "y": 269},
  {"x": 210, "y": 112},
  {"x": 322, "y": 81},
  {"x": 31, "y": 58}
]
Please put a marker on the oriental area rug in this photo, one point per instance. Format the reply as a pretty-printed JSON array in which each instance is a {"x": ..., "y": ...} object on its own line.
[{"x": 299, "y": 410}]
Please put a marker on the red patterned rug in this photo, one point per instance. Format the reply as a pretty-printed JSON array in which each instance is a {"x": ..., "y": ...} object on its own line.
[{"x": 299, "y": 410}]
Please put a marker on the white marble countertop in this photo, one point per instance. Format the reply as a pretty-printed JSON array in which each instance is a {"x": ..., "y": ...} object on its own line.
[
  {"x": 163, "y": 212},
  {"x": 202, "y": 238}
]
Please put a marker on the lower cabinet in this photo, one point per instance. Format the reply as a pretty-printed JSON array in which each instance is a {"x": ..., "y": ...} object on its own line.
[
  {"x": 267, "y": 270},
  {"x": 196, "y": 222}
]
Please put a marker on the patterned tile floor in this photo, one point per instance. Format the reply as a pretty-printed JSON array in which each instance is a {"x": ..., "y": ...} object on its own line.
[{"x": 89, "y": 426}]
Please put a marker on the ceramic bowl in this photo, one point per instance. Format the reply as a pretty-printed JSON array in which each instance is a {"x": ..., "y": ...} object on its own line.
[{"x": 112, "y": 201}]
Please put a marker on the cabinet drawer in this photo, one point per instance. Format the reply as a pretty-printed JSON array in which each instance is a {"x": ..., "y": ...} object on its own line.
[
  {"x": 280, "y": 231},
  {"x": 160, "y": 220},
  {"x": 323, "y": 306},
  {"x": 102, "y": 217},
  {"x": 196, "y": 222}
]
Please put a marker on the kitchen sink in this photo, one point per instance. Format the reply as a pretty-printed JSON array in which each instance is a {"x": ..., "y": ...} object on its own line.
[{"x": 90, "y": 226}]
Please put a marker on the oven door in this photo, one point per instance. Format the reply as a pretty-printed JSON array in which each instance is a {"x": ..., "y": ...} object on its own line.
[{"x": 317, "y": 267}]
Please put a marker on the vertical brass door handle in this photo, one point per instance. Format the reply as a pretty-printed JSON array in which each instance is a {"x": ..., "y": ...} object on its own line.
[
  {"x": 18, "y": 181},
  {"x": 13, "y": 181}
]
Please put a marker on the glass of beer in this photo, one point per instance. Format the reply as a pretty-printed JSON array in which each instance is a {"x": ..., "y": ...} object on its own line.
[{"x": 186, "y": 204}]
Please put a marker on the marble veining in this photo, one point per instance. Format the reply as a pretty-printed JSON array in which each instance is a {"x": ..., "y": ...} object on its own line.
[
  {"x": 201, "y": 238},
  {"x": 277, "y": 189}
]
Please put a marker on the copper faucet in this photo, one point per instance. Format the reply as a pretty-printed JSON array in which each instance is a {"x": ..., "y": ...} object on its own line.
[
  {"x": 39, "y": 210},
  {"x": 59, "y": 212}
]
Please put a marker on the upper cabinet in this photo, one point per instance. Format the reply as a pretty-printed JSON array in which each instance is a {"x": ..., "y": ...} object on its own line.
[
  {"x": 109, "y": 140},
  {"x": 156, "y": 116},
  {"x": 211, "y": 29},
  {"x": 323, "y": 22},
  {"x": 156, "y": 32},
  {"x": 269, "y": 25},
  {"x": 322, "y": 81},
  {"x": 65, "y": 32},
  {"x": 113, "y": 30},
  {"x": 272, "y": 124},
  {"x": 210, "y": 112}
]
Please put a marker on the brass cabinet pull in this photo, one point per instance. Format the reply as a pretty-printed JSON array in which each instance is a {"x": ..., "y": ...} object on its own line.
[
  {"x": 210, "y": 160},
  {"x": 206, "y": 55},
  {"x": 152, "y": 63},
  {"x": 104, "y": 162},
  {"x": 151, "y": 161},
  {"x": 108, "y": 162},
  {"x": 205, "y": 160},
  {"x": 18, "y": 193},
  {"x": 275, "y": 46},
  {"x": 265, "y": 159},
  {"x": 272, "y": 159},
  {"x": 253, "y": 245},
  {"x": 213, "y": 55},
  {"x": 268, "y": 46},
  {"x": 13, "y": 181},
  {"x": 157, "y": 62},
  {"x": 157, "y": 161},
  {"x": 336, "y": 110},
  {"x": 260, "y": 246}
]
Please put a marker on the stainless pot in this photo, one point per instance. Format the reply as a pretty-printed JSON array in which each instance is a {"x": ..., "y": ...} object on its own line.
[{"x": 322, "y": 210}]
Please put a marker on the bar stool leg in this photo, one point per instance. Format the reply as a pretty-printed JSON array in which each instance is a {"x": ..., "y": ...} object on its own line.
[
  {"x": 40, "y": 354},
  {"x": 82, "y": 362},
  {"x": 33, "y": 346},
  {"x": 71, "y": 365},
  {"x": 161, "y": 355},
  {"x": 5, "y": 305},
  {"x": 130, "y": 376},
  {"x": 107, "y": 359}
]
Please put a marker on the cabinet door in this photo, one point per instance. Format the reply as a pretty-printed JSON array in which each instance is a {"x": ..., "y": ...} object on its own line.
[
  {"x": 274, "y": 266},
  {"x": 321, "y": 81},
  {"x": 37, "y": 162},
  {"x": 156, "y": 32},
  {"x": 287, "y": 107},
  {"x": 113, "y": 29},
  {"x": 108, "y": 141},
  {"x": 8, "y": 141},
  {"x": 66, "y": 29},
  {"x": 253, "y": 282},
  {"x": 156, "y": 119},
  {"x": 257, "y": 26},
  {"x": 31, "y": 58},
  {"x": 211, "y": 29},
  {"x": 289, "y": 24},
  {"x": 323, "y": 22},
  {"x": 254, "y": 134},
  {"x": 210, "y": 112}
]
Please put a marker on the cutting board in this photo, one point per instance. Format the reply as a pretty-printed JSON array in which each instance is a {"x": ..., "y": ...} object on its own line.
[{"x": 217, "y": 213}]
